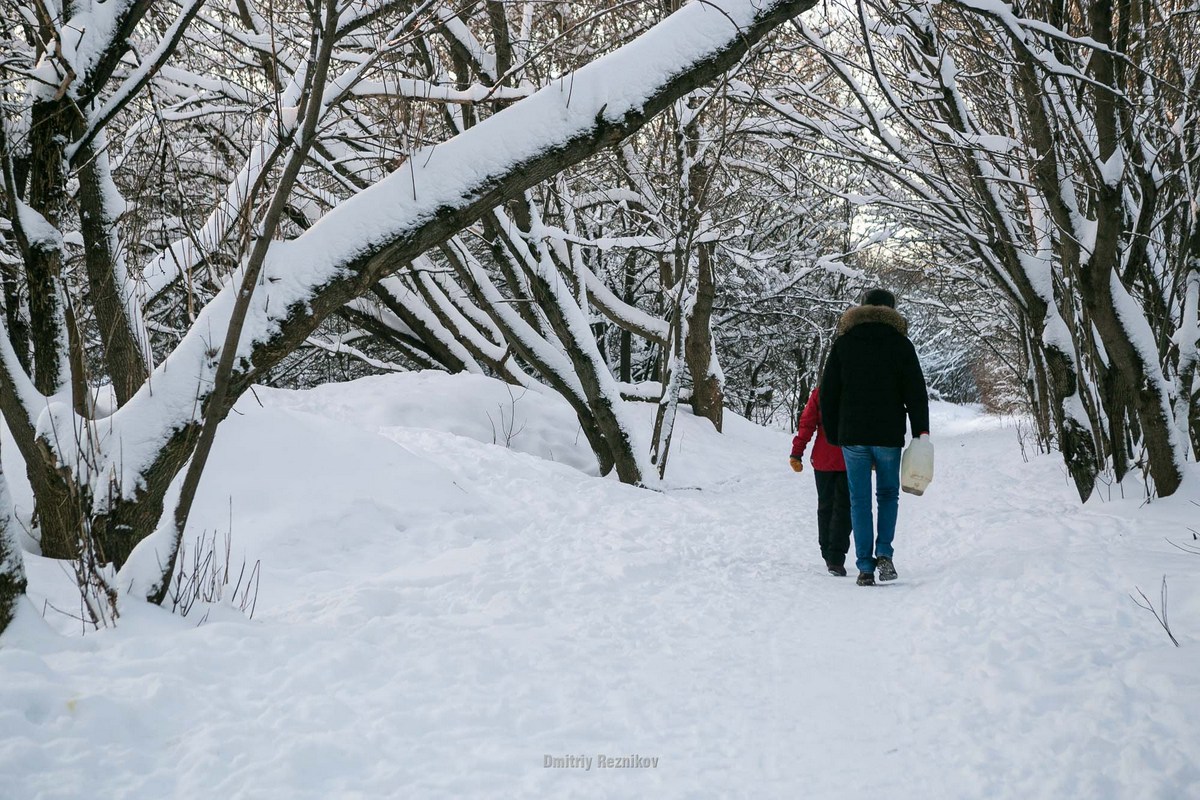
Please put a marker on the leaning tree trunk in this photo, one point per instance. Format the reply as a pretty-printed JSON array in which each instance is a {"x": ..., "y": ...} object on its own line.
[
  {"x": 1075, "y": 439},
  {"x": 1142, "y": 376},
  {"x": 60, "y": 503},
  {"x": 566, "y": 319},
  {"x": 512, "y": 325}
]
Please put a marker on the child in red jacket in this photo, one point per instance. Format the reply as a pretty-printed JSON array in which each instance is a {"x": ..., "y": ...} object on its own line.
[{"x": 833, "y": 493}]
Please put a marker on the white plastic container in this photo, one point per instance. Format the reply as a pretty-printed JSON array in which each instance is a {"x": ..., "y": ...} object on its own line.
[{"x": 916, "y": 466}]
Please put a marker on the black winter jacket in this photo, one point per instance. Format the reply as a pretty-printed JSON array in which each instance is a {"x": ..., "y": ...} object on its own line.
[{"x": 872, "y": 380}]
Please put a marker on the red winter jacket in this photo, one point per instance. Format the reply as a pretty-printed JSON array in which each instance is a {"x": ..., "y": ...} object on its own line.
[{"x": 825, "y": 456}]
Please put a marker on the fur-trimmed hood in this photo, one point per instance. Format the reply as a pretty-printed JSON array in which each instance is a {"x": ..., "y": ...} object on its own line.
[{"x": 862, "y": 314}]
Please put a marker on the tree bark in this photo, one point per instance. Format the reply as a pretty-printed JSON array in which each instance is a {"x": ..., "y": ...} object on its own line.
[
  {"x": 124, "y": 354},
  {"x": 708, "y": 390},
  {"x": 50, "y": 129},
  {"x": 629, "y": 278}
]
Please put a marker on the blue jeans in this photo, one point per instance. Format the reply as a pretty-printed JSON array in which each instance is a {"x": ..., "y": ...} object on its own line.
[{"x": 859, "y": 460}]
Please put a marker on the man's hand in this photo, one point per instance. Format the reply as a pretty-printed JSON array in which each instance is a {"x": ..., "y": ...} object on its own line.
[{"x": 797, "y": 464}]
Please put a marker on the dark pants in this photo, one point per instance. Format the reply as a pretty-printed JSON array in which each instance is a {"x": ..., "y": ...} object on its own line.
[{"x": 833, "y": 516}]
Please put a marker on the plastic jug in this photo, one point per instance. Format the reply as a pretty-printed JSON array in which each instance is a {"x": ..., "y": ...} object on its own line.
[{"x": 916, "y": 465}]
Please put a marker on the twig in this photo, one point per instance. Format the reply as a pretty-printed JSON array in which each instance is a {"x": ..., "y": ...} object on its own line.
[{"x": 1146, "y": 604}]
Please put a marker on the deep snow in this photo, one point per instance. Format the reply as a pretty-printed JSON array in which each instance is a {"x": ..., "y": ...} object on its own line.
[{"x": 438, "y": 614}]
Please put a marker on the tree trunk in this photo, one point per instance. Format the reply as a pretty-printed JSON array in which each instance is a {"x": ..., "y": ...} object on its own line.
[
  {"x": 18, "y": 330},
  {"x": 1036, "y": 387},
  {"x": 629, "y": 282},
  {"x": 1074, "y": 439},
  {"x": 708, "y": 389},
  {"x": 60, "y": 516},
  {"x": 668, "y": 404},
  {"x": 12, "y": 563},
  {"x": 124, "y": 354},
  {"x": 50, "y": 129},
  {"x": 1145, "y": 380},
  {"x": 430, "y": 343}
]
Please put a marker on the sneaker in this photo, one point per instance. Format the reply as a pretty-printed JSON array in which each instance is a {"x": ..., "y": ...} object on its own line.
[
  {"x": 866, "y": 579},
  {"x": 887, "y": 570},
  {"x": 836, "y": 569}
]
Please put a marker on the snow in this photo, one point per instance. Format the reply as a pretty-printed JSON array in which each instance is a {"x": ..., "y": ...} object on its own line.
[
  {"x": 438, "y": 614},
  {"x": 424, "y": 90},
  {"x": 83, "y": 41},
  {"x": 37, "y": 228},
  {"x": 1112, "y": 169},
  {"x": 413, "y": 303},
  {"x": 458, "y": 29}
]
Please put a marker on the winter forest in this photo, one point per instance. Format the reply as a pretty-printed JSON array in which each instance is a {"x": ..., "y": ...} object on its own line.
[{"x": 243, "y": 240}]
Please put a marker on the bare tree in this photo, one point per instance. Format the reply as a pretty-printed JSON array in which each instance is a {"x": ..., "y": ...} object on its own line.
[{"x": 104, "y": 472}]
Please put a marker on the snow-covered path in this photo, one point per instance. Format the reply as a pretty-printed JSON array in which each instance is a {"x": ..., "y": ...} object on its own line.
[{"x": 437, "y": 618}]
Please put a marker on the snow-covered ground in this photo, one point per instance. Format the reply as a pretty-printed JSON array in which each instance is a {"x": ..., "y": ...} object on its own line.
[{"x": 439, "y": 614}]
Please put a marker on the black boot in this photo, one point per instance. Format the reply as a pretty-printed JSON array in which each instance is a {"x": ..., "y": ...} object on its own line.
[
  {"x": 866, "y": 579},
  {"x": 887, "y": 570},
  {"x": 836, "y": 569}
]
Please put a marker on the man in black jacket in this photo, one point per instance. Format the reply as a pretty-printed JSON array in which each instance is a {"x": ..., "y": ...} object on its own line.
[{"x": 873, "y": 380}]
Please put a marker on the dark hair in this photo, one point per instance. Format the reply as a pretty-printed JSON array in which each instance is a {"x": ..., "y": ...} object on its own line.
[{"x": 879, "y": 297}]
